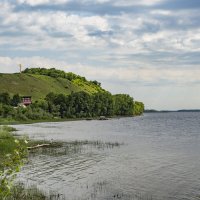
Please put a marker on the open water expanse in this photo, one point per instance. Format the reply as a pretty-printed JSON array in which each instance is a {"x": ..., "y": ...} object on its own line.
[{"x": 155, "y": 156}]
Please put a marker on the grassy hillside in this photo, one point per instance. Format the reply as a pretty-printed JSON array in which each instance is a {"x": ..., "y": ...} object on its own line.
[{"x": 38, "y": 86}]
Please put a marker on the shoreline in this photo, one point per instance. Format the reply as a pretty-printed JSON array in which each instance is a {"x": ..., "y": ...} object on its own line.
[{"x": 62, "y": 120}]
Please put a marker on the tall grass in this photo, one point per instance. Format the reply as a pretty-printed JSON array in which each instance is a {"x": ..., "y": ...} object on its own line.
[
  {"x": 7, "y": 143},
  {"x": 20, "y": 192}
]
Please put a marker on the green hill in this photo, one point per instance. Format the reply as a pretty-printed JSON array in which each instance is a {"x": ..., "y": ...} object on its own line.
[
  {"x": 38, "y": 86},
  {"x": 67, "y": 96}
]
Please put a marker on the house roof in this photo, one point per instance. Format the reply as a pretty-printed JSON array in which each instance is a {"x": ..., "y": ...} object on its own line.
[{"x": 26, "y": 96}]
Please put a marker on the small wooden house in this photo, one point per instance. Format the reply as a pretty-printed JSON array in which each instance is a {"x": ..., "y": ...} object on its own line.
[{"x": 26, "y": 100}]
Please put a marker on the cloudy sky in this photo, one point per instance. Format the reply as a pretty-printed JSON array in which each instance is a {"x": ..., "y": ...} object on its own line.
[{"x": 147, "y": 48}]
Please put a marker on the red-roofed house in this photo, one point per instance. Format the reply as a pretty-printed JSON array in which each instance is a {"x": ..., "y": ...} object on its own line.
[{"x": 26, "y": 100}]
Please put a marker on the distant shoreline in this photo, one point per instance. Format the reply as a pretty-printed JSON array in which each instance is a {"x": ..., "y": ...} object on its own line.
[{"x": 166, "y": 111}]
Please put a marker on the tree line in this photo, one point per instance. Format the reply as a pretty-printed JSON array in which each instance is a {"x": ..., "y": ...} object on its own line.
[{"x": 75, "y": 105}]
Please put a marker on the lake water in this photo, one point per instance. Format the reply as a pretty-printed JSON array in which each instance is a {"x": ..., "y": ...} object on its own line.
[{"x": 155, "y": 156}]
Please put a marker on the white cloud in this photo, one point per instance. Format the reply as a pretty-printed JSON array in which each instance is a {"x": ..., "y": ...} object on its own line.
[
  {"x": 114, "y": 2},
  {"x": 130, "y": 31},
  {"x": 162, "y": 12},
  {"x": 40, "y": 26},
  {"x": 5, "y": 7},
  {"x": 173, "y": 40},
  {"x": 95, "y": 1},
  {"x": 10, "y": 65},
  {"x": 136, "y": 2},
  {"x": 42, "y": 2}
]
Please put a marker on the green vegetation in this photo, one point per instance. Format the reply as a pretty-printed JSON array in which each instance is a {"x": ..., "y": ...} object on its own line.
[
  {"x": 38, "y": 85},
  {"x": 12, "y": 154},
  {"x": 32, "y": 112},
  {"x": 138, "y": 108},
  {"x": 32, "y": 193},
  {"x": 123, "y": 105},
  {"x": 22, "y": 193},
  {"x": 80, "y": 83},
  {"x": 59, "y": 95},
  {"x": 75, "y": 105}
]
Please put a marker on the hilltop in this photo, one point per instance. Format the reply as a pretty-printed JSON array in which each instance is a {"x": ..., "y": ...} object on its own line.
[{"x": 35, "y": 83}]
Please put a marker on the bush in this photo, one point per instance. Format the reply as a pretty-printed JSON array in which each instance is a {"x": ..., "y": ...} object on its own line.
[{"x": 13, "y": 152}]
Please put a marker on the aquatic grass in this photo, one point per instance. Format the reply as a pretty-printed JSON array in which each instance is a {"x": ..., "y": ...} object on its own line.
[
  {"x": 58, "y": 148},
  {"x": 20, "y": 192},
  {"x": 136, "y": 196},
  {"x": 102, "y": 187},
  {"x": 96, "y": 143}
]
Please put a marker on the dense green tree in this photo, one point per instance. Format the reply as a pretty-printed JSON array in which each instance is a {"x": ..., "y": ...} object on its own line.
[
  {"x": 5, "y": 98},
  {"x": 103, "y": 104},
  {"x": 6, "y": 110},
  {"x": 123, "y": 104},
  {"x": 81, "y": 104},
  {"x": 138, "y": 108},
  {"x": 55, "y": 73},
  {"x": 96, "y": 83},
  {"x": 16, "y": 100}
]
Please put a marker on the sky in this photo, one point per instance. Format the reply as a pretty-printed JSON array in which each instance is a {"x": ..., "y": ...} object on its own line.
[{"x": 149, "y": 49}]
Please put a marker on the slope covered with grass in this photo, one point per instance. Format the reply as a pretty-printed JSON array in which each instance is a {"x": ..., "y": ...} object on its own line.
[{"x": 38, "y": 86}]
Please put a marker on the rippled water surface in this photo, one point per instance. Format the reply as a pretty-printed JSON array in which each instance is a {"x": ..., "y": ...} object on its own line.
[{"x": 156, "y": 156}]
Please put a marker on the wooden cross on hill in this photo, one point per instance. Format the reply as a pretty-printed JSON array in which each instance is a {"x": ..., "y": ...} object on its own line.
[{"x": 20, "y": 68}]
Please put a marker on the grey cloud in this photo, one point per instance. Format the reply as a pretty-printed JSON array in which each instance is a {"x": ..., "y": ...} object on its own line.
[
  {"x": 80, "y": 7},
  {"x": 101, "y": 33},
  {"x": 179, "y": 4}
]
